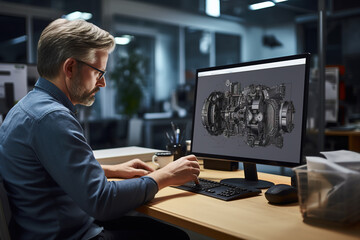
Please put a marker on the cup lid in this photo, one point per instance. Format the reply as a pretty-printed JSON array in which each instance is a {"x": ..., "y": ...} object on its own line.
[{"x": 163, "y": 154}]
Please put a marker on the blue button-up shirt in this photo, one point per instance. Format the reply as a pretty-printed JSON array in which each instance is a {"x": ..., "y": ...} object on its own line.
[{"x": 55, "y": 186}]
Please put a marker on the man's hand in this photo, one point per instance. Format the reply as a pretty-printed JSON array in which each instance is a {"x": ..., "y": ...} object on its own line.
[
  {"x": 181, "y": 171},
  {"x": 130, "y": 169}
]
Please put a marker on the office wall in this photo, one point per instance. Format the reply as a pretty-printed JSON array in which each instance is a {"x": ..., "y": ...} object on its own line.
[
  {"x": 252, "y": 44},
  {"x": 254, "y": 49},
  {"x": 286, "y": 34},
  {"x": 165, "y": 83}
]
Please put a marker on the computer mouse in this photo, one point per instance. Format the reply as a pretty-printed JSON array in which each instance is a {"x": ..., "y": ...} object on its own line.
[{"x": 281, "y": 194}]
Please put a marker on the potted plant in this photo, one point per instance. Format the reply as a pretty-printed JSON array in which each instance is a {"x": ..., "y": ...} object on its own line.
[{"x": 129, "y": 78}]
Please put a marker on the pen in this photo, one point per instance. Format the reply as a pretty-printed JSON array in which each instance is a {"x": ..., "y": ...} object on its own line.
[
  {"x": 177, "y": 135},
  {"x": 171, "y": 140},
  {"x": 173, "y": 127}
]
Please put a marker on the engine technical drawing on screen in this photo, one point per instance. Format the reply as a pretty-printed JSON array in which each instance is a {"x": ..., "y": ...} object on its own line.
[{"x": 258, "y": 113}]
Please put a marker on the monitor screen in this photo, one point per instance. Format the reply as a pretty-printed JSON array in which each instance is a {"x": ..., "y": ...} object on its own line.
[
  {"x": 252, "y": 112},
  {"x": 17, "y": 75}
]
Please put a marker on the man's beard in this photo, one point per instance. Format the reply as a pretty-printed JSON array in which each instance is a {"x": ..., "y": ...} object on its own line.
[{"x": 79, "y": 95}]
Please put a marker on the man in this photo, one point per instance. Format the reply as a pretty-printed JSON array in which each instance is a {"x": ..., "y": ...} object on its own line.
[{"x": 56, "y": 188}]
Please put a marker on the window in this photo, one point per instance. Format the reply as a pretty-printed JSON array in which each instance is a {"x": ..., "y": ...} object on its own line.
[
  {"x": 139, "y": 64},
  {"x": 13, "y": 39},
  {"x": 227, "y": 49},
  {"x": 38, "y": 26},
  {"x": 197, "y": 51},
  {"x": 159, "y": 45}
]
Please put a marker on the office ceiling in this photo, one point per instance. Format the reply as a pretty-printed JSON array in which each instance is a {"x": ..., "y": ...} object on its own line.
[
  {"x": 238, "y": 10},
  {"x": 285, "y": 11},
  {"x": 233, "y": 10}
]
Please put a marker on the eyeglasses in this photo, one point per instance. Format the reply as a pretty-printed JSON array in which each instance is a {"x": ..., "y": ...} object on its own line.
[{"x": 101, "y": 72}]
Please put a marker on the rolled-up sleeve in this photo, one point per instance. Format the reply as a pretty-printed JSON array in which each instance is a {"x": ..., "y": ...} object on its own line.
[{"x": 61, "y": 148}]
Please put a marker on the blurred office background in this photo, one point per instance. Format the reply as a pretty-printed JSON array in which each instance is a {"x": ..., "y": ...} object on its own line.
[{"x": 161, "y": 43}]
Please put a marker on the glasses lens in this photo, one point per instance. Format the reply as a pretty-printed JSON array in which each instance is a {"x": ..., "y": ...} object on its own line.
[{"x": 102, "y": 75}]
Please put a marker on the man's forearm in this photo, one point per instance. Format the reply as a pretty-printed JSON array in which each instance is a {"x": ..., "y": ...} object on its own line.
[
  {"x": 162, "y": 178},
  {"x": 108, "y": 170}
]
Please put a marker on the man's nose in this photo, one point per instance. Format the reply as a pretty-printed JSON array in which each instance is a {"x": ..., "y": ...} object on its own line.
[{"x": 101, "y": 82}]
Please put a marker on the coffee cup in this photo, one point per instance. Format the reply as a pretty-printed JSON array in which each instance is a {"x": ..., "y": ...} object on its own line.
[{"x": 161, "y": 159}]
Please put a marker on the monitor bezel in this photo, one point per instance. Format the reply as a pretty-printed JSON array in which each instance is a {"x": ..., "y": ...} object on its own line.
[{"x": 304, "y": 117}]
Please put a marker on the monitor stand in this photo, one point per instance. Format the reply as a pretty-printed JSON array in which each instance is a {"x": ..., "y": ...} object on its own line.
[{"x": 250, "y": 180}]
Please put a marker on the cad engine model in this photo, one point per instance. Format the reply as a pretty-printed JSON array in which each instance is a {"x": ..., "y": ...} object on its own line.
[{"x": 258, "y": 113}]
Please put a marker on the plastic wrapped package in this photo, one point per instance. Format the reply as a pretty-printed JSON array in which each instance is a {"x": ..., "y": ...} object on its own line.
[{"x": 329, "y": 190}]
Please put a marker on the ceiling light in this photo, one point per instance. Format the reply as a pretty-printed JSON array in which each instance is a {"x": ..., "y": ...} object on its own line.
[
  {"x": 86, "y": 16},
  {"x": 213, "y": 8},
  {"x": 78, "y": 15},
  {"x": 279, "y": 1},
  {"x": 261, "y": 5},
  {"x": 18, "y": 40},
  {"x": 123, "y": 40}
]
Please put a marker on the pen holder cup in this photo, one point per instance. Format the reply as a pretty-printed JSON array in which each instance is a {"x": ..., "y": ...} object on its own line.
[
  {"x": 177, "y": 150},
  {"x": 328, "y": 195}
]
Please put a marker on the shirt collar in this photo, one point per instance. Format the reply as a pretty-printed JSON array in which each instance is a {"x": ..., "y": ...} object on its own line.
[{"x": 54, "y": 91}]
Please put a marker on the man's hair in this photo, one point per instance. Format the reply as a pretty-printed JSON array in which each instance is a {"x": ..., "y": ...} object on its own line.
[{"x": 63, "y": 39}]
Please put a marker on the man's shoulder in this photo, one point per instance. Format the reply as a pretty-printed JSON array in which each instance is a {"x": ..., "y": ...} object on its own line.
[{"x": 38, "y": 104}]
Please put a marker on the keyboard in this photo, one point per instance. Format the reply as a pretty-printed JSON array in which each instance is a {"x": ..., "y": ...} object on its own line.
[{"x": 218, "y": 190}]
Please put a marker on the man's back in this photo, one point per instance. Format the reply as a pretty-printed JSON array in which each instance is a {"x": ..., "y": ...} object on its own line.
[
  {"x": 40, "y": 207},
  {"x": 56, "y": 188}
]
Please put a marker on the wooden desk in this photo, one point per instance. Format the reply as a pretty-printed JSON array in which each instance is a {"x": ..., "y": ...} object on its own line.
[
  {"x": 249, "y": 218},
  {"x": 353, "y": 138}
]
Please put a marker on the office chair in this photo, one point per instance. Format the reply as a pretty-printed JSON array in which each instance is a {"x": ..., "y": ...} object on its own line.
[{"x": 5, "y": 213}]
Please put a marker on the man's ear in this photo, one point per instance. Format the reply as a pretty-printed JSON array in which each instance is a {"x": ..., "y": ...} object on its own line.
[{"x": 69, "y": 67}]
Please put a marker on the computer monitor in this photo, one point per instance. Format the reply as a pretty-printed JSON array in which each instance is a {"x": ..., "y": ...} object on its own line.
[
  {"x": 252, "y": 112},
  {"x": 13, "y": 85},
  {"x": 17, "y": 75}
]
